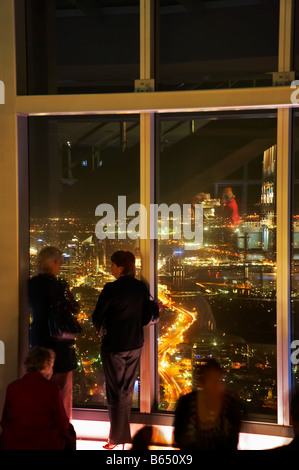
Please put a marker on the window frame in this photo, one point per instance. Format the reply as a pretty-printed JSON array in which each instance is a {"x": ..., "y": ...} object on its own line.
[{"x": 147, "y": 105}]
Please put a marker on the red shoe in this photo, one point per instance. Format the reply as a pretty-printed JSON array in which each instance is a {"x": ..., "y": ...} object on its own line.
[{"x": 109, "y": 446}]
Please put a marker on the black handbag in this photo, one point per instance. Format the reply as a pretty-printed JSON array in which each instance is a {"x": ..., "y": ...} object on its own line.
[
  {"x": 63, "y": 326},
  {"x": 151, "y": 312}
]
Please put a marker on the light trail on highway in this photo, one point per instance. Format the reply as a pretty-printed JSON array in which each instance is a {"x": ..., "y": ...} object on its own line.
[{"x": 168, "y": 342}]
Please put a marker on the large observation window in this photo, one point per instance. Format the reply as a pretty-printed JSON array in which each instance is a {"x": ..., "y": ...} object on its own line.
[
  {"x": 76, "y": 165},
  {"x": 220, "y": 297},
  {"x": 218, "y": 290}
]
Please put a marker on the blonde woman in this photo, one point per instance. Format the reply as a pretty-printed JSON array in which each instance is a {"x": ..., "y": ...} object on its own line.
[{"x": 45, "y": 291}]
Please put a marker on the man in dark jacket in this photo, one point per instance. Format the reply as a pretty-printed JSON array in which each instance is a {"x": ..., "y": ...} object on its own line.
[{"x": 119, "y": 318}]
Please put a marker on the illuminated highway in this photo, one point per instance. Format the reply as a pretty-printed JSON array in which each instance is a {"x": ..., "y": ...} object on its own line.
[
  {"x": 174, "y": 382},
  {"x": 168, "y": 343}
]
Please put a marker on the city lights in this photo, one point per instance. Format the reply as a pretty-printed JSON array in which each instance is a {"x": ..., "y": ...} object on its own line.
[{"x": 217, "y": 300}]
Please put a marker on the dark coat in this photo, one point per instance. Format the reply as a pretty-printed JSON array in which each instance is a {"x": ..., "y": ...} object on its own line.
[
  {"x": 188, "y": 434},
  {"x": 43, "y": 290},
  {"x": 34, "y": 416},
  {"x": 120, "y": 312}
]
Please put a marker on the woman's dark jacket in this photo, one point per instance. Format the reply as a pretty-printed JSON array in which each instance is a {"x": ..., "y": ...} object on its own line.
[
  {"x": 120, "y": 312},
  {"x": 45, "y": 290},
  {"x": 189, "y": 435}
]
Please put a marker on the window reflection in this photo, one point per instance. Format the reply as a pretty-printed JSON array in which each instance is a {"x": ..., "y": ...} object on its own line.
[
  {"x": 75, "y": 165},
  {"x": 220, "y": 300}
]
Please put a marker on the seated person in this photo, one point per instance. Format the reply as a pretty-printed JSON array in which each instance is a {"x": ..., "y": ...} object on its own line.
[
  {"x": 34, "y": 417},
  {"x": 208, "y": 418}
]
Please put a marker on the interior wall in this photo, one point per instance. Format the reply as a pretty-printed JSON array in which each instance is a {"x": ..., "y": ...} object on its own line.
[{"x": 9, "y": 289}]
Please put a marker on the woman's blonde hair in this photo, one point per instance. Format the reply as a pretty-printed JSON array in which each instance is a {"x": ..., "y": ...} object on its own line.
[
  {"x": 38, "y": 358},
  {"x": 44, "y": 258}
]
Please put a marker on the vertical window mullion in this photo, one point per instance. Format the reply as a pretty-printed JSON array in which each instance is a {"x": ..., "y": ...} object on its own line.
[
  {"x": 284, "y": 119},
  {"x": 147, "y": 195},
  {"x": 283, "y": 264}
]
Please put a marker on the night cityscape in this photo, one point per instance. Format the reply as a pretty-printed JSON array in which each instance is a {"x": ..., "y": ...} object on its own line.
[
  {"x": 167, "y": 128},
  {"x": 217, "y": 301}
]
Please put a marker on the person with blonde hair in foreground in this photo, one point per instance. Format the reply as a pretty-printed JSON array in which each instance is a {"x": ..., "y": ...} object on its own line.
[{"x": 48, "y": 294}]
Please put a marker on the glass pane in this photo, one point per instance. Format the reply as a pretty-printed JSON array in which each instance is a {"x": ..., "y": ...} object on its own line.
[
  {"x": 83, "y": 46},
  {"x": 77, "y": 164},
  {"x": 218, "y": 291},
  {"x": 217, "y": 44}
]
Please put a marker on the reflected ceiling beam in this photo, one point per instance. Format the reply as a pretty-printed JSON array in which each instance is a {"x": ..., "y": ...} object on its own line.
[
  {"x": 164, "y": 133},
  {"x": 94, "y": 8},
  {"x": 198, "y": 5},
  {"x": 101, "y": 144},
  {"x": 210, "y": 132},
  {"x": 224, "y": 167}
]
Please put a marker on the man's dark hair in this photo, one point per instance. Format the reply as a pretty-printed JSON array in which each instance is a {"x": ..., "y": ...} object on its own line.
[{"x": 126, "y": 259}]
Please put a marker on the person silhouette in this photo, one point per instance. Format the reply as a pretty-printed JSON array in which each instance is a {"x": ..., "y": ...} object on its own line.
[
  {"x": 230, "y": 211},
  {"x": 45, "y": 290},
  {"x": 34, "y": 416},
  {"x": 208, "y": 418},
  {"x": 119, "y": 318}
]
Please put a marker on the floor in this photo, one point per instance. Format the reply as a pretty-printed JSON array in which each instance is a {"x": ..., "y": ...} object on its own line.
[
  {"x": 246, "y": 442},
  {"x": 90, "y": 444},
  {"x": 89, "y": 432}
]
